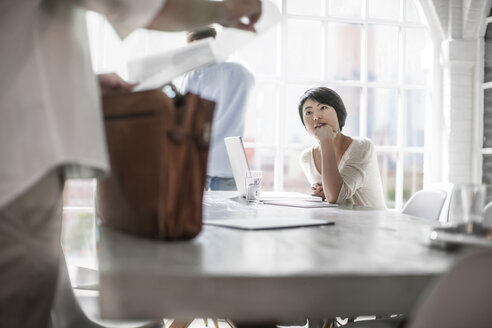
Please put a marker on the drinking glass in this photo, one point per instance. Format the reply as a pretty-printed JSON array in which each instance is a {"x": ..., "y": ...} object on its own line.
[
  {"x": 253, "y": 186},
  {"x": 467, "y": 205}
]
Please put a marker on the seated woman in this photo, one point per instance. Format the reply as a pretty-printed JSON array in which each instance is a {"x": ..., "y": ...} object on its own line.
[{"x": 341, "y": 169}]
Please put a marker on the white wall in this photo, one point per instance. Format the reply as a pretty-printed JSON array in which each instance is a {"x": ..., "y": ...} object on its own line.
[{"x": 456, "y": 25}]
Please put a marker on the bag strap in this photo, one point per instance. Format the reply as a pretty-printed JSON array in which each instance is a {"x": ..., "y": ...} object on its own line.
[{"x": 172, "y": 92}]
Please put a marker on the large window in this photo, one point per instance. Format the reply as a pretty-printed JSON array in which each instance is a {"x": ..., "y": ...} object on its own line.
[{"x": 377, "y": 54}]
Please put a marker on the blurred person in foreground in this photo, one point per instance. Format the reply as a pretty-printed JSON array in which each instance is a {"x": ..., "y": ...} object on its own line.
[
  {"x": 51, "y": 125},
  {"x": 229, "y": 85}
]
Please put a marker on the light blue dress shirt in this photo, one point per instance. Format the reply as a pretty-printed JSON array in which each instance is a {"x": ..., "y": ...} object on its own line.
[{"x": 229, "y": 85}]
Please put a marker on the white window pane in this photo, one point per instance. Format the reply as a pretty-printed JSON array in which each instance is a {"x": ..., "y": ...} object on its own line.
[
  {"x": 294, "y": 178},
  {"x": 419, "y": 56},
  {"x": 415, "y": 120},
  {"x": 382, "y": 115},
  {"x": 413, "y": 179},
  {"x": 383, "y": 53},
  {"x": 278, "y": 3},
  {"x": 295, "y": 133},
  {"x": 262, "y": 159},
  {"x": 411, "y": 12},
  {"x": 343, "y": 51},
  {"x": 387, "y": 168},
  {"x": 135, "y": 45},
  {"x": 345, "y": 8},
  {"x": 114, "y": 57},
  {"x": 162, "y": 41},
  {"x": 261, "y": 114},
  {"x": 351, "y": 100},
  {"x": 306, "y": 7},
  {"x": 79, "y": 193},
  {"x": 304, "y": 50},
  {"x": 384, "y": 9},
  {"x": 95, "y": 31},
  {"x": 78, "y": 238},
  {"x": 262, "y": 53}
]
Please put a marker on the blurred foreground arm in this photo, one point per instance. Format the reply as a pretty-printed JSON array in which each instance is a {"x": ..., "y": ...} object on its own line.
[{"x": 179, "y": 15}]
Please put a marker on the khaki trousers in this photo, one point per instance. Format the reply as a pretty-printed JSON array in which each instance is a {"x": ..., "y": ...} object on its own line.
[{"x": 30, "y": 228}]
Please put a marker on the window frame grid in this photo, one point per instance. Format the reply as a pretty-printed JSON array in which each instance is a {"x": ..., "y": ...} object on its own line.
[
  {"x": 92, "y": 262},
  {"x": 480, "y": 96},
  {"x": 281, "y": 80},
  {"x": 484, "y": 86},
  {"x": 402, "y": 86}
]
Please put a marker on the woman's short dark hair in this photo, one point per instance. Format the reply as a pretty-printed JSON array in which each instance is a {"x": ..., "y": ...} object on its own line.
[{"x": 328, "y": 97}]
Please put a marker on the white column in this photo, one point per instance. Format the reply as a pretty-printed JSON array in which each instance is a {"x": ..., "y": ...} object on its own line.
[{"x": 458, "y": 110}]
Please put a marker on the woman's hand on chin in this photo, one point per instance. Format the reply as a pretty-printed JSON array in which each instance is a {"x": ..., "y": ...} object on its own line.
[{"x": 325, "y": 133}]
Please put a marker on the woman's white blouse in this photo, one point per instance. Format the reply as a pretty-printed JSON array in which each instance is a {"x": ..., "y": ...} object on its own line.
[{"x": 360, "y": 174}]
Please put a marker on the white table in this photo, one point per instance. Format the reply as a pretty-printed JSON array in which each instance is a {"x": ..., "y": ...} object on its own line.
[{"x": 369, "y": 262}]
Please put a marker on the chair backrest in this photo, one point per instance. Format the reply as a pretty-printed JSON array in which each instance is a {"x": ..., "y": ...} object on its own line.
[
  {"x": 460, "y": 298},
  {"x": 448, "y": 188},
  {"x": 487, "y": 215},
  {"x": 66, "y": 312},
  {"x": 426, "y": 204}
]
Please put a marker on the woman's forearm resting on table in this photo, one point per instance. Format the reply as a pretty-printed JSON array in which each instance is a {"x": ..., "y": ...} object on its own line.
[{"x": 332, "y": 180}]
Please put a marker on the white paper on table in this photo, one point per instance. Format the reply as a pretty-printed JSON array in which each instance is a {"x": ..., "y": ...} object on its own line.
[
  {"x": 299, "y": 203},
  {"x": 267, "y": 223},
  {"x": 288, "y": 196},
  {"x": 154, "y": 71}
]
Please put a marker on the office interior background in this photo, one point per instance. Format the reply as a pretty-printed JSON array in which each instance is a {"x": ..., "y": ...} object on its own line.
[{"x": 415, "y": 77}]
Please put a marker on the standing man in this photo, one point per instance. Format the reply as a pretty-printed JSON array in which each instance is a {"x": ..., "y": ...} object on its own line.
[
  {"x": 229, "y": 85},
  {"x": 51, "y": 127}
]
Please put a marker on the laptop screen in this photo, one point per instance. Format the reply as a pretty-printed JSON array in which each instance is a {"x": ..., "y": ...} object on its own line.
[{"x": 239, "y": 162}]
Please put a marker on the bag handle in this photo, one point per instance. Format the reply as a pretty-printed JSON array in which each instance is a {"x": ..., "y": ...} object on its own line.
[
  {"x": 203, "y": 118},
  {"x": 177, "y": 133},
  {"x": 172, "y": 92}
]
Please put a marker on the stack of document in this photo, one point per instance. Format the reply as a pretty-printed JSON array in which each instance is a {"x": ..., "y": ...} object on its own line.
[
  {"x": 284, "y": 195},
  {"x": 293, "y": 199}
]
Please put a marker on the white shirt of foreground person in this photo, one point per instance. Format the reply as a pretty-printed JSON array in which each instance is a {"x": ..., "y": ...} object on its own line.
[
  {"x": 50, "y": 112},
  {"x": 229, "y": 85},
  {"x": 360, "y": 174}
]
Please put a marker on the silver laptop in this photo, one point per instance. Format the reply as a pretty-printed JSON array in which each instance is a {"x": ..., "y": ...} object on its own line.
[
  {"x": 239, "y": 164},
  {"x": 238, "y": 160}
]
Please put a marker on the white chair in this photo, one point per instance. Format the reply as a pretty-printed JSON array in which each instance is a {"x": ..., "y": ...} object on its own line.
[
  {"x": 448, "y": 188},
  {"x": 487, "y": 215},
  {"x": 87, "y": 279},
  {"x": 426, "y": 204},
  {"x": 67, "y": 313},
  {"x": 461, "y": 298},
  {"x": 83, "y": 278}
]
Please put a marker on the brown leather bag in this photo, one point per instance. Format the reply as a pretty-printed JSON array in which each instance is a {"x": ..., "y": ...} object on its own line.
[{"x": 158, "y": 148}]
